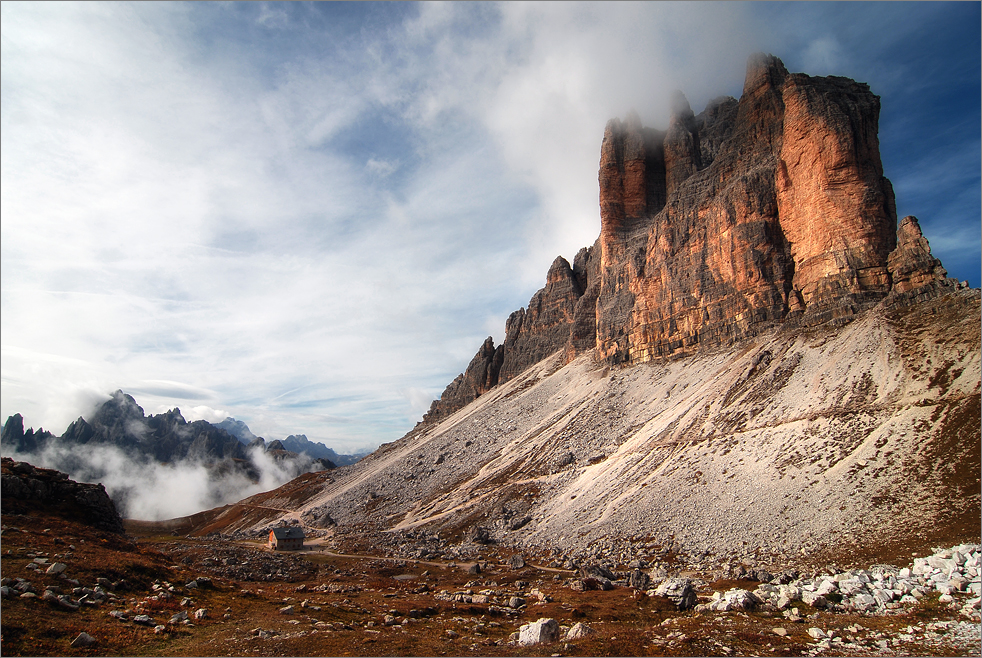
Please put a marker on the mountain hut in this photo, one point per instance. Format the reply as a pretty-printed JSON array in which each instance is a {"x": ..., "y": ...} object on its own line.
[{"x": 286, "y": 539}]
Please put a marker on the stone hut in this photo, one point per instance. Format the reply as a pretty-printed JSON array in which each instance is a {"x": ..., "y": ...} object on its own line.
[{"x": 286, "y": 539}]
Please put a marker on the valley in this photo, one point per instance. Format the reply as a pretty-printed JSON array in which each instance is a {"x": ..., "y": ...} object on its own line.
[{"x": 315, "y": 602}]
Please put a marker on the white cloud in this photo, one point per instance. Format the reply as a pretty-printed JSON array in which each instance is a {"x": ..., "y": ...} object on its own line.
[
  {"x": 822, "y": 56},
  {"x": 206, "y": 413},
  {"x": 381, "y": 167}
]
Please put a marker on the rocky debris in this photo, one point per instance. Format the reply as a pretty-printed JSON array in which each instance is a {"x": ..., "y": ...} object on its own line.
[
  {"x": 947, "y": 573},
  {"x": 593, "y": 577},
  {"x": 578, "y": 631},
  {"x": 201, "y": 581},
  {"x": 933, "y": 638},
  {"x": 639, "y": 580},
  {"x": 232, "y": 562},
  {"x": 734, "y": 599},
  {"x": 62, "y": 600},
  {"x": 23, "y": 485},
  {"x": 542, "y": 631},
  {"x": 677, "y": 590},
  {"x": 813, "y": 471},
  {"x": 83, "y": 640},
  {"x": 516, "y": 561},
  {"x": 56, "y": 568}
]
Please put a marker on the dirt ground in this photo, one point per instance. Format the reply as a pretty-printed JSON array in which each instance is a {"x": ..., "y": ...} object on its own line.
[{"x": 317, "y": 603}]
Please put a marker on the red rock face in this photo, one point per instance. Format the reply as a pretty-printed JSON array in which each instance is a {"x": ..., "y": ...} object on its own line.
[
  {"x": 836, "y": 208},
  {"x": 912, "y": 267},
  {"x": 776, "y": 207},
  {"x": 773, "y": 208},
  {"x": 536, "y": 332}
]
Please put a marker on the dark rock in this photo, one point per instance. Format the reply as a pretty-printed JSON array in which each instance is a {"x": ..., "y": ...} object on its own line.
[
  {"x": 542, "y": 328},
  {"x": 679, "y": 591},
  {"x": 13, "y": 436},
  {"x": 639, "y": 580},
  {"x": 83, "y": 640},
  {"x": 913, "y": 270},
  {"x": 519, "y": 523},
  {"x": 596, "y": 571},
  {"x": 481, "y": 375},
  {"x": 479, "y": 535},
  {"x": 23, "y": 488}
]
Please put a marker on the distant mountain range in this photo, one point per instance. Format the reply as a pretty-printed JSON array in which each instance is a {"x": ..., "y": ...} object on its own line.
[
  {"x": 165, "y": 437},
  {"x": 120, "y": 437},
  {"x": 297, "y": 443}
]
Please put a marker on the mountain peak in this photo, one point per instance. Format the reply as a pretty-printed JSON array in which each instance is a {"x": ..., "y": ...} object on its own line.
[{"x": 768, "y": 210}]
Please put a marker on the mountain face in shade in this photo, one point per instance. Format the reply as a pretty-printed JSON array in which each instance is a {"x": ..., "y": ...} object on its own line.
[
  {"x": 238, "y": 429},
  {"x": 166, "y": 437},
  {"x": 297, "y": 443},
  {"x": 771, "y": 210}
]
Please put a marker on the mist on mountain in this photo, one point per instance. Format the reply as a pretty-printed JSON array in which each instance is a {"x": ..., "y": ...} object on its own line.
[{"x": 161, "y": 466}]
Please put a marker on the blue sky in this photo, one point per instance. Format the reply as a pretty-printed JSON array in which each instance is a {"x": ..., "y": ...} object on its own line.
[{"x": 309, "y": 216}]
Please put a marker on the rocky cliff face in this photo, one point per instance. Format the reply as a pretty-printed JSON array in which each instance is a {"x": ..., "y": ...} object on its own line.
[
  {"x": 770, "y": 209},
  {"x": 24, "y": 486}
]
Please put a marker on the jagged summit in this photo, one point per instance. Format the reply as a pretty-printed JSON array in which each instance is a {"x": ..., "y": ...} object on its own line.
[{"x": 768, "y": 210}]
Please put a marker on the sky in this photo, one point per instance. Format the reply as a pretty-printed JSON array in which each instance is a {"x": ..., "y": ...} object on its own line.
[{"x": 309, "y": 216}]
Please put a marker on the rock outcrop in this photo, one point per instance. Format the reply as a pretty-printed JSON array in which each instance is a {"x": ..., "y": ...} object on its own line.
[
  {"x": 913, "y": 270},
  {"x": 19, "y": 440},
  {"x": 481, "y": 375},
  {"x": 24, "y": 487},
  {"x": 770, "y": 209}
]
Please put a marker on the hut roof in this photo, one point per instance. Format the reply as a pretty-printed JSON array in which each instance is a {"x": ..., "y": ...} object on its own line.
[{"x": 291, "y": 532}]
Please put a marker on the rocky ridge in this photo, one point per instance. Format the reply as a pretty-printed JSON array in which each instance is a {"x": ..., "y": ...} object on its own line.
[
  {"x": 768, "y": 210},
  {"x": 24, "y": 487}
]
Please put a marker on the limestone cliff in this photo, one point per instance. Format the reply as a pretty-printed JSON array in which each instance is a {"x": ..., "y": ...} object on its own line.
[{"x": 770, "y": 209}]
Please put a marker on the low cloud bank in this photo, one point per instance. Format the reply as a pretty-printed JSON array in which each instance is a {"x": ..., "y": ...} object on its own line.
[{"x": 148, "y": 490}]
